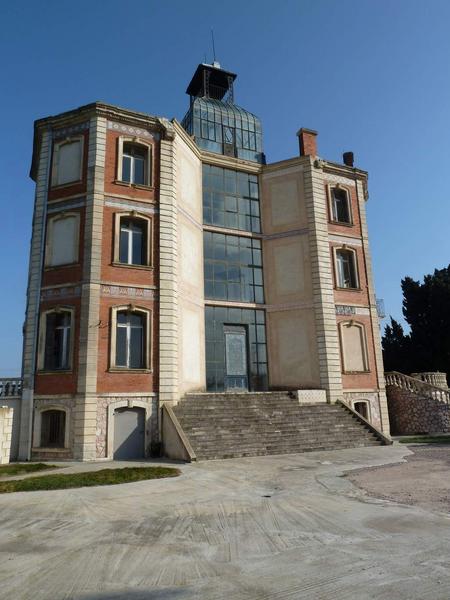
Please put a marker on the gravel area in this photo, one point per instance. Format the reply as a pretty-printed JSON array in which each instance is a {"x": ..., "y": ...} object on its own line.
[{"x": 423, "y": 480}]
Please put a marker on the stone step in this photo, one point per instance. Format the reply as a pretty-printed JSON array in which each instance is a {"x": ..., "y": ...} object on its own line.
[{"x": 233, "y": 425}]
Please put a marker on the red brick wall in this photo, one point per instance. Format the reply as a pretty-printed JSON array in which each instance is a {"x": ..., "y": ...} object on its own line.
[{"x": 125, "y": 381}]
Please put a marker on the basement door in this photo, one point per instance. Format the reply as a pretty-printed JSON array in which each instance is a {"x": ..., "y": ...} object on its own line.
[
  {"x": 129, "y": 433},
  {"x": 236, "y": 358}
]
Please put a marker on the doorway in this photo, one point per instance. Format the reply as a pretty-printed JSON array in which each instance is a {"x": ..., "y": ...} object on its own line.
[
  {"x": 236, "y": 358},
  {"x": 129, "y": 433}
]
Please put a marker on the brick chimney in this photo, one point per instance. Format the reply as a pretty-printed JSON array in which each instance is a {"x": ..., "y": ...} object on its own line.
[{"x": 307, "y": 141}]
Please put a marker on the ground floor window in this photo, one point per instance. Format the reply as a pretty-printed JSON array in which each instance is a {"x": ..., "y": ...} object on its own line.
[
  {"x": 362, "y": 407},
  {"x": 236, "y": 350},
  {"x": 53, "y": 428}
]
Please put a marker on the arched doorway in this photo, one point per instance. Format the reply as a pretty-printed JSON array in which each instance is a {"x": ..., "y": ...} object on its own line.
[{"x": 129, "y": 433}]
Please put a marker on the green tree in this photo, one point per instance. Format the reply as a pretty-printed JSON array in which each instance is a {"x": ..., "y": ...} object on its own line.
[{"x": 426, "y": 308}]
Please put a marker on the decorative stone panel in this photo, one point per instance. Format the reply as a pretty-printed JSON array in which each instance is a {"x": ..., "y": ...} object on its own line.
[{"x": 312, "y": 396}]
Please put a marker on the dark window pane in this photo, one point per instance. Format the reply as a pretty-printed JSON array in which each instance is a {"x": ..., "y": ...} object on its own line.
[
  {"x": 126, "y": 168},
  {"x": 138, "y": 247},
  {"x": 137, "y": 347},
  {"x": 121, "y": 347},
  {"x": 139, "y": 171},
  {"x": 123, "y": 245}
]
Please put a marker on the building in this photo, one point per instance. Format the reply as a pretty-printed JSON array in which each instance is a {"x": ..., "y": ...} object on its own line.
[{"x": 169, "y": 258}]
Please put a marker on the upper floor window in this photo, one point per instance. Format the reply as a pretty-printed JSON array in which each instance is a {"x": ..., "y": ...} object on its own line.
[
  {"x": 62, "y": 239},
  {"x": 231, "y": 199},
  {"x": 131, "y": 328},
  {"x": 346, "y": 269},
  {"x": 134, "y": 163},
  {"x": 340, "y": 205},
  {"x": 133, "y": 237},
  {"x": 56, "y": 336},
  {"x": 67, "y": 161},
  {"x": 233, "y": 268}
]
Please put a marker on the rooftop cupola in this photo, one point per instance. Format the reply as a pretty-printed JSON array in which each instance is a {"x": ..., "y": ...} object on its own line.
[{"x": 216, "y": 123}]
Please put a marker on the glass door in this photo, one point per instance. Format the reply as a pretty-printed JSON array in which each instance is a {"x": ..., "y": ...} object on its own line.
[{"x": 236, "y": 358}]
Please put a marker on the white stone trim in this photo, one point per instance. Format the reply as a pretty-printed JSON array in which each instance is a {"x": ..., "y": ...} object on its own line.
[
  {"x": 365, "y": 353},
  {"x": 57, "y": 145},
  {"x": 126, "y": 403},
  {"x": 149, "y": 166},
  {"x": 58, "y": 216},
  {"x": 148, "y": 354},
  {"x": 346, "y": 189},
  {"x": 134, "y": 214},
  {"x": 130, "y": 206},
  {"x": 38, "y": 425},
  {"x": 354, "y": 254},
  {"x": 43, "y": 333},
  {"x": 345, "y": 239}
]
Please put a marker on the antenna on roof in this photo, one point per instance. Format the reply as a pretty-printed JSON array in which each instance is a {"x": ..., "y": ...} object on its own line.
[{"x": 215, "y": 62}]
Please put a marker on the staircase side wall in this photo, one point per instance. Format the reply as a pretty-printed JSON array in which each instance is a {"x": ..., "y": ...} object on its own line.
[{"x": 411, "y": 414}]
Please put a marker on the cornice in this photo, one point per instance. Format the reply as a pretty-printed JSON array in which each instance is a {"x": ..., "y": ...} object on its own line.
[{"x": 239, "y": 164}]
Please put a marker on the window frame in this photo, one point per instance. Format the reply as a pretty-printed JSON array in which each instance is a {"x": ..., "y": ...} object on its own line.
[
  {"x": 365, "y": 350},
  {"x": 121, "y": 140},
  {"x": 49, "y": 239},
  {"x": 118, "y": 216},
  {"x": 57, "y": 144},
  {"x": 347, "y": 190},
  {"x": 43, "y": 334},
  {"x": 148, "y": 330},
  {"x": 354, "y": 255},
  {"x": 367, "y": 404},
  {"x": 37, "y": 433}
]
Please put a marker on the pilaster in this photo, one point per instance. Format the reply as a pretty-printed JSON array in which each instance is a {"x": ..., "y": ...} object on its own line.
[
  {"x": 168, "y": 273},
  {"x": 322, "y": 281},
  {"x": 86, "y": 404},
  {"x": 33, "y": 296}
]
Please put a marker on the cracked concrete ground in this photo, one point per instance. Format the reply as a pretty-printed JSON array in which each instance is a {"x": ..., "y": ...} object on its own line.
[{"x": 266, "y": 528}]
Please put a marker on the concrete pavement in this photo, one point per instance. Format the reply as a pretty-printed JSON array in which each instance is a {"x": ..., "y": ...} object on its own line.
[{"x": 266, "y": 528}]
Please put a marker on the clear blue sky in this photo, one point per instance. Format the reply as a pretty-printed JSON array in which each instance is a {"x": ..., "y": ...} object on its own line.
[{"x": 370, "y": 76}]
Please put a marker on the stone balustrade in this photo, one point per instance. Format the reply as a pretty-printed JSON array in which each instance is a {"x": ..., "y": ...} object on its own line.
[
  {"x": 433, "y": 377},
  {"x": 10, "y": 387}
]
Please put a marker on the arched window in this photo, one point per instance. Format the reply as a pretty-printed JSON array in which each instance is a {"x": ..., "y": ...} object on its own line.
[
  {"x": 55, "y": 352},
  {"x": 132, "y": 245},
  {"x": 62, "y": 239},
  {"x": 340, "y": 205},
  {"x": 130, "y": 338},
  {"x": 67, "y": 161},
  {"x": 134, "y": 162},
  {"x": 346, "y": 269},
  {"x": 353, "y": 347},
  {"x": 53, "y": 429}
]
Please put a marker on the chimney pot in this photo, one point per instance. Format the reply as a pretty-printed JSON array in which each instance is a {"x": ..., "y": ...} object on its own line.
[{"x": 348, "y": 159}]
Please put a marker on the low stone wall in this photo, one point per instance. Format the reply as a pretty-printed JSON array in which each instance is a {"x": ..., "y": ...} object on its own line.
[
  {"x": 411, "y": 413},
  {"x": 6, "y": 423}
]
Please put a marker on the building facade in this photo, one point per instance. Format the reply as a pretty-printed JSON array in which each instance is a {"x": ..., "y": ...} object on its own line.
[{"x": 169, "y": 258}]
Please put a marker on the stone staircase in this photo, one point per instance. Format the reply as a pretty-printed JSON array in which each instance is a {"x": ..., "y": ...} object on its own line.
[{"x": 255, "y": 424}]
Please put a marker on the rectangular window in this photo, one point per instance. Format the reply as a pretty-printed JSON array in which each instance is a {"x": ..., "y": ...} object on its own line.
[
  {"x": 231, "y": 199},
  {"x": 62, "y": 240},
  {"x": 233, "y": 269},
  {"x": 135, "y": 163},
  {"x": 57, "y": 341},
  {"x": 130, "y": 340},
  {"x": 346, "y": 272},
  {"x": 67, "y": 161}
]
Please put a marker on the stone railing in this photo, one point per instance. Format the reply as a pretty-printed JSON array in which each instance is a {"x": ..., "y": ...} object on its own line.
[
  {"x": 10, "y": 387},
  {"x": 417, "y": 386},
  {"x": 433, "y": 377}
]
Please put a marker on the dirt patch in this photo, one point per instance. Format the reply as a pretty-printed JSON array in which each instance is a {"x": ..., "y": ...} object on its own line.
[{"x": 424, "y": 480}]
